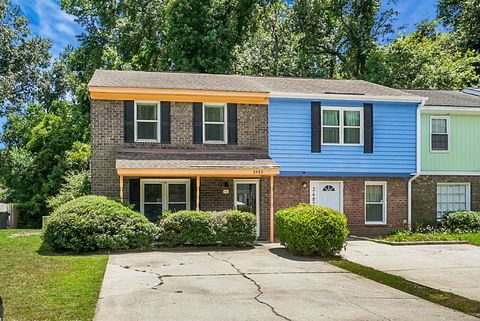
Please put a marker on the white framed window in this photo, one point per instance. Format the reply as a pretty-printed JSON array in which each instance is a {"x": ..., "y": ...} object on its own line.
[
  {"x": 147, "y": 121},
  {"x": 160, "y": 195},
  {"x": 439, "y": 133},
  {"x": 342, "y": 126},
  {"x": 214, "y": 123},
  {"x": 375, "y": 202},
  {"x": 452, "y": 197}
]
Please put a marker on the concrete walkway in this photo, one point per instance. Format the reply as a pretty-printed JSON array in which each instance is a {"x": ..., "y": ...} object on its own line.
[
  {"x": 452, "y": 268},
  {"x": 264, "y": 283}
]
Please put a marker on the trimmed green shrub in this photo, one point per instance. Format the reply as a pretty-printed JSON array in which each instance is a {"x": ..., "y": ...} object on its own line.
[
  {"x": 235, "y": 227},
  {"x": 187, "y": 227},
  {"x": 467, "y": 221},
  {"x": 92, "y": 223},
  {"x": 311, "y": 230},
  {"x": 230, "y": 228}
]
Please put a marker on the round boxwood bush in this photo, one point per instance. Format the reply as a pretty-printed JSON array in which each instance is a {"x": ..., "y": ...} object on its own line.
[
  {"x": 311, "y": 230},
  {"x": 92, "y": 223}
]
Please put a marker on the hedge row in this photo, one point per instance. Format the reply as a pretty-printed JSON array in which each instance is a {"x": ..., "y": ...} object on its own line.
[
  {"x": 230, "y": 228},
  {"x": 468, "y": 221}
]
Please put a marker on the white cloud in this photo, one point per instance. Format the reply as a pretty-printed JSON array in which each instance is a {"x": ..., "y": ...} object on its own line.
[{"x": 48, "y": 20}]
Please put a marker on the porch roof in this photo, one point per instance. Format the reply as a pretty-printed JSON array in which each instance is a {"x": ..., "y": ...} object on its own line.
[{"x": 193, "y": 162}]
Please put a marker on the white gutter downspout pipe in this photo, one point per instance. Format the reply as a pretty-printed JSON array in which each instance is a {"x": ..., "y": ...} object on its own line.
[{"x": 418, "y": 167}]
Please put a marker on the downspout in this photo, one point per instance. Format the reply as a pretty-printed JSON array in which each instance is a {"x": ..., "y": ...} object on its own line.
[{"x": 415, "y": 175}]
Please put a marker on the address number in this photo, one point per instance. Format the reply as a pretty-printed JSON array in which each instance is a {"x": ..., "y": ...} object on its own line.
[{"x": 258, "y": 171}]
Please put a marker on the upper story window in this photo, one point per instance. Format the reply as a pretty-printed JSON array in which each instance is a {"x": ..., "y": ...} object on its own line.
[
  {"x": 147, "y": 121},
  {"x": 214, "y": 123},
  {"x": 342, "y": 126},
  {"x": 439, "y": 133}
]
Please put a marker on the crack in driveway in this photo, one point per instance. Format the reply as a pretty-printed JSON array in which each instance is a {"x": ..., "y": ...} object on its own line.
[
  {"x": 259, "y": 288},
  {"x": 158, "y": 275}
]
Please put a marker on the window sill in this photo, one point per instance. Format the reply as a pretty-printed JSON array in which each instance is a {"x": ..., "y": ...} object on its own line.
[
  {"x": 214, "y": 143},
  {"x": 331, "y": 144},
  {"x": 375, "y": 223}
]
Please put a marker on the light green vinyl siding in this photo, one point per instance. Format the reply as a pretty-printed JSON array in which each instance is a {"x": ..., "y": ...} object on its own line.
[{"x": 464, "y": 151}]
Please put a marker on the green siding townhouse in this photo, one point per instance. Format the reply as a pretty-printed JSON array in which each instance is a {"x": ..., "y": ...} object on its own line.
[{"x": 449, "y": 157}]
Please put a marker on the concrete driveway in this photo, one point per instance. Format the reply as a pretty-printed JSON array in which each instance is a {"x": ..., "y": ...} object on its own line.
[
  {"x": 452, "y": 268},
  {"x": 264, "y": 283}
]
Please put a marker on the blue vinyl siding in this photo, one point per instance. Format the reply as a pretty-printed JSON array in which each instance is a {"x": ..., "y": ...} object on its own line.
[{"x": 394, "y": 151}]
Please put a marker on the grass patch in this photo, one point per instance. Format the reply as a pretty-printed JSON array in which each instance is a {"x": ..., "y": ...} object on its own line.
[
  {"x": 447, "y": 299},
  {"x": 36, "y": 284},
  {"x": 472, "y": 238}
]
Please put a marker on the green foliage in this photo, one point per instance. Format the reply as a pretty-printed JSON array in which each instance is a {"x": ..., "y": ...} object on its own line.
[
  {"x": 231, "y": 228},
  {"x": 312, "y": 230},
  {"x": 425, "y": 59},
  {"x": 235, "y": 227},
  {"x": 92, "y": 223},
  {"x": 23, "y": 59},
  {"x": 464, "y": 17},
  {"x": 76, "y": 185},
  {"x": 462, "y": 221}
]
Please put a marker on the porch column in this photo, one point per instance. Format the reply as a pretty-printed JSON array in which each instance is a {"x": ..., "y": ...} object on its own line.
[
  {"x": 197, "y": 199},
  {"x": 272, "y": 234},
  {"x": 121, "y": 188}
]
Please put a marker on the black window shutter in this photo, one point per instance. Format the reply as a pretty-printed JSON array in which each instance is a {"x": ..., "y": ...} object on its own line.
[
  {"x": 128, "y": 121},
  {"x": 193, "y": 194},
  {"x": 165, "y": 122},
  {"x": 197, "y": 123},
  {"x": 134, "y": 185},
  {"x": 368, "y": 128},
  {"x": 316, "y": 127},
  {"x": 232, "y": 124}
]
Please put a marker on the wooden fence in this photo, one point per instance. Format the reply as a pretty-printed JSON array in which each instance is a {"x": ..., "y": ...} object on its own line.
[{"x": 13, "y": 211}]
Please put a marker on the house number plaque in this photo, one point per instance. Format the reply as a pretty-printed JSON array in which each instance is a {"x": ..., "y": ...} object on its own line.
[{"x": 258, "y": 171}]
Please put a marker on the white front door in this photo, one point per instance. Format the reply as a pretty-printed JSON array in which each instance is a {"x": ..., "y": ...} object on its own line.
[
  {"x": 247, "y": 197},
  {"x": 327, "y": 194}
]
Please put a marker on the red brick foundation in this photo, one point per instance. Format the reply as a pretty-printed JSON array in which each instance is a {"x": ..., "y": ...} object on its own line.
[{"x": 289, "y": 191}]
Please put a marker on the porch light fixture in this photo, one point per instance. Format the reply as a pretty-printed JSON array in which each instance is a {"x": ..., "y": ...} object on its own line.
[{"x": 226, "y": 184}]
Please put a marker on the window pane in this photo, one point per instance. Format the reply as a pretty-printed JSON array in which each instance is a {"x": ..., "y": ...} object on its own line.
[
  {"x": 146, "y": 111},
  {"x": 451, "y": 198},
  {"x": 331, "y": 117},
  {"x": 146, "y": 130},
  {"x": 351, "y": 135},
  {"x": 214, "y": 132},
  {"x": 374, "y": 193},
  {"x": 439, "y": 142},
  {"x": 214, "y": 113},
  {"x": 247, "y": 198},
  {"x": 153, "y": 193},
  {"x": 439, "y": 126},
  {"x": 177, "y": 207},
  {"x": 153, "y": 212},
  {"x": 177, "y": 193},
  {"x": 374, "y": 213},
  {"x": 351, "y": 118},
  {"x": 331, "y": 135}
]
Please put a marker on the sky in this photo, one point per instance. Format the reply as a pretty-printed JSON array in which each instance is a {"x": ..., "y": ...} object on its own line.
[{"x": 48, "y": 20}]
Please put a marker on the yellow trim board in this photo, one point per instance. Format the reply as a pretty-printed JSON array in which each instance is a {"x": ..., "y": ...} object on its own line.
[
  {"x": 180, "y": 95},
  {"x": 190, "y": 172}
]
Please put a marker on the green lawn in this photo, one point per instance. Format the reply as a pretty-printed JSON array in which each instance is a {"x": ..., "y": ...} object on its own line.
[
  {"x": 472, "y": 238},
  {"x": 36, "y": 284}
]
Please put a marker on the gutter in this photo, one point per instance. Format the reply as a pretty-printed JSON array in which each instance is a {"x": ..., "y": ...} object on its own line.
[{"x": 417, "y": 173}]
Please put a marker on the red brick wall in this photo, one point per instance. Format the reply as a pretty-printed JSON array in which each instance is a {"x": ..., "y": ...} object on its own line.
[
  {"x": 288, "y": 191},
  {"x": 424, "y": 196}
]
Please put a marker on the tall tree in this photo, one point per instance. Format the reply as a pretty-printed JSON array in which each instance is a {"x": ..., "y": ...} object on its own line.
[
  {"x": 23, "y": 59},
  {"x": 340, "y": 34},
  {"x": 272, "y": 48},
  {"x": 200, "y": 35},
  {"x": 426, "y": 59},
  {"x": 463, "y": 16}
]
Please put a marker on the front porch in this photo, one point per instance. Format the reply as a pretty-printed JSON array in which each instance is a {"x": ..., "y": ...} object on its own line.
[{"x": 159, "y": 180}]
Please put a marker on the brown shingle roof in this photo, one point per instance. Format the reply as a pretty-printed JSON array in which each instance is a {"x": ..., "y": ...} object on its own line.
[
  {"x": 171, "y": 80},
  {"x": 192, "y": 158},
  {"x": 448, "y": 98}
]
